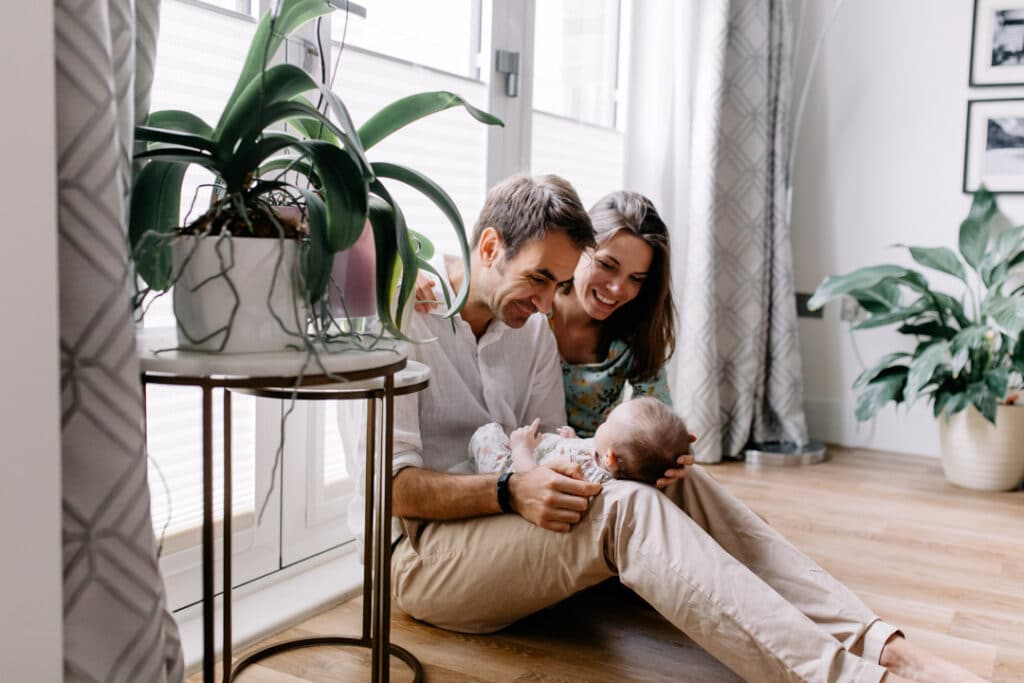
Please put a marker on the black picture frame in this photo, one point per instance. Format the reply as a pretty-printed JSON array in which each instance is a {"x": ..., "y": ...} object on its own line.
[
  {"x": 1001, "y": 167},
  {"x": 982, "y": 72}
]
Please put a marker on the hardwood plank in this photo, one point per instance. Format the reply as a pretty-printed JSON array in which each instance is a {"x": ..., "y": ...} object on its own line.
[{"x": 944, "y": 564}]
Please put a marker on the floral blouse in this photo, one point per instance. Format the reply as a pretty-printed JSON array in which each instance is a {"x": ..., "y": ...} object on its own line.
[{"x": 593, "y": 389}]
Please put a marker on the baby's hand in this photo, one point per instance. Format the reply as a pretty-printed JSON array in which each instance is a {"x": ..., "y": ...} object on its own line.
[
  {"x": 567, "y": 432},
  {"x": 526, "y": 437}
]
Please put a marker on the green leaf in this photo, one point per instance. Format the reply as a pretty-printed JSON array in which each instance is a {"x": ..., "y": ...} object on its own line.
[
  {"x": 179, "y": 155},
  {"x": 382, "y": 220},
  {"x": 981, "y": 396},
  {"x": 966, "y": 341},
  {"x": 317, "y": 260},
  {"x": 888, "y": 386},
  {"x": 172, "y": 137},
  {"x": 1006, "y": 312},
  {"x": 923, "y": 367},
  {"x": 444, "y": 202},
  {"x": 186, "y": 122},
  {"x": 872, "y": 372},
  {"x": 897, "y": 315},
  {"x": 944, "y": 304},
  {"x": 344, "y": 189},
  {"x": 939, "y": 258},
  {"x": 406, "y": 255},
  {"x": 941, "y": 401},
  {"x": 998, "y": 381},
  {"x": 882, "y": 298},
  {"x": 928, "y": 329},
  {"x": 402, "y": 112},
  {"x": 974, "y": 230},
  {"x": 270, "y": 33},
  {"x": 1006, "y": 245},
  {"x": 153, "y": 214},
  {"x": 246, "y": 113},
  {"x": 424, "y": 247},
  {"x": 864, "y": 279}
]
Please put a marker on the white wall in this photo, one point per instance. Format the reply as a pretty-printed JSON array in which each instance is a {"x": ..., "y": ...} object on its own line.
[
  {"x": 879, "y": 162},
  {"x": 30, "y": 573}
]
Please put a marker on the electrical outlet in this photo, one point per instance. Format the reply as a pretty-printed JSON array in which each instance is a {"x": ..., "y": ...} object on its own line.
[
  {"x": 801, "y": 307},
  {"x": 850, "y": 311}
]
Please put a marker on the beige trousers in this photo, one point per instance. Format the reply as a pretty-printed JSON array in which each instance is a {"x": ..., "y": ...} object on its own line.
[{"x": 703, "y": 559}]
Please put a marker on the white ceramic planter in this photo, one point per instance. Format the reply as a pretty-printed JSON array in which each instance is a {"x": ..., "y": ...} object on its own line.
[
  {"x": 203, "y": 300},
  {"x": 977, "y": 455}
]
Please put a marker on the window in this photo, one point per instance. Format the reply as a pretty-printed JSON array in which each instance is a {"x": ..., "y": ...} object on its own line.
[{"x": 575, "y": 130}]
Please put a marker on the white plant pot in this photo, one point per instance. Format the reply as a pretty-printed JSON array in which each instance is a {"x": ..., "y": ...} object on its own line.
[
  {"x": 977, "y": 455},
  {"x": 204, "y": 299}
]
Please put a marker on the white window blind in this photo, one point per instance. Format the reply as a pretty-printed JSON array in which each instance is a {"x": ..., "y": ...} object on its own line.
[
  {"x": 449, "y": 147},
  {"x": 199, "y": 54},
  {"x": 578, "y": 94}
]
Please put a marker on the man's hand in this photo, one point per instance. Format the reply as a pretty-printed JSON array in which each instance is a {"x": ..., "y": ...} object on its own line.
[
  {"x": 677, "y": 473},
  {"x": 527, "y": 437},
  {"x": 550, "y": 498},
  {"x": 425, "y": 297}
]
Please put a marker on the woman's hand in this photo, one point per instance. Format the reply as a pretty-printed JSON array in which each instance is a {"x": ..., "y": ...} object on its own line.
[
  {"x": 677, "y": 473},
  {"x": 426, "y": 298}
]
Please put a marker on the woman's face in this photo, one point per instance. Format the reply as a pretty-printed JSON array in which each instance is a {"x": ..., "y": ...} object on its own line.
[{"x": 612, "y": 275}]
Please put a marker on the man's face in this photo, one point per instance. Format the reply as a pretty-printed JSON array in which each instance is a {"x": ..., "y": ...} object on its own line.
[{"x": 517, "y": 288}]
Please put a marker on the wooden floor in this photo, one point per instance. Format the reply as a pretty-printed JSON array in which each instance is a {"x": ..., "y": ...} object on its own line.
[{"x": 945, "y": 564}]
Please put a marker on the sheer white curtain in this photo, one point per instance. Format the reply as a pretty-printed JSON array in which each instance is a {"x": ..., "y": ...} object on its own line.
[{"x": 706, "y": 140}]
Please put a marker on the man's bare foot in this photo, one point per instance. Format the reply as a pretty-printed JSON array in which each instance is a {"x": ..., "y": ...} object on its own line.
[{"x": 905, "y": 661}]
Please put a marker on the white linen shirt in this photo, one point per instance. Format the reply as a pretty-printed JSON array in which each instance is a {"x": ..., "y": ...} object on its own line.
[{"x": 510, "y": 376}]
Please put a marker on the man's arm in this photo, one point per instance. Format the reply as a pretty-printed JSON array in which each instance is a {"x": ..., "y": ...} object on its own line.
[{"x": 548, "y": 498}]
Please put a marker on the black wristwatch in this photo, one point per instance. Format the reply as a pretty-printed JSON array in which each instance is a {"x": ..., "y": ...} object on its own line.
[{"x": 504, "y": 497}]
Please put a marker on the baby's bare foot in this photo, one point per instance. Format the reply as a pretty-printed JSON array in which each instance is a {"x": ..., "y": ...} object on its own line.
[{"x": 909, "y": 662}]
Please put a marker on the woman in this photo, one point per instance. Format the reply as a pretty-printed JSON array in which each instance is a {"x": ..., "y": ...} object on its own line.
[{"x": 616, "y": 327}]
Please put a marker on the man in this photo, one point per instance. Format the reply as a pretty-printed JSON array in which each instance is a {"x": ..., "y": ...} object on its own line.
[{"x": 698, "y": 555}]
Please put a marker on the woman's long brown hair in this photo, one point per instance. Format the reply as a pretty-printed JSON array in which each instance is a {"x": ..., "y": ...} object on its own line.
[{"x": 647, "y": 323}]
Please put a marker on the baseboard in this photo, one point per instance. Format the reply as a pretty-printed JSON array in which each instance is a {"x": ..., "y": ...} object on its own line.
[{"x": 275, "y": 602}]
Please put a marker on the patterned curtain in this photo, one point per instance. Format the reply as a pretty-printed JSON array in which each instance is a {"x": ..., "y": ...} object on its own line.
[
  {"x": 739, "y": 357},
  {"x": 706, "y": 140},
  {"x": 116, "y": 623}
]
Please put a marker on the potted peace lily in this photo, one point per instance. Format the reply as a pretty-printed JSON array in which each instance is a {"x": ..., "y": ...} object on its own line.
[
  {"x": 968, "y": 359},
  {"x": 253, "y": 273}
]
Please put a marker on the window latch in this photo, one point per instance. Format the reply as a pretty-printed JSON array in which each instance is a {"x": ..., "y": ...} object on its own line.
[{"x": 507, "y": 62}]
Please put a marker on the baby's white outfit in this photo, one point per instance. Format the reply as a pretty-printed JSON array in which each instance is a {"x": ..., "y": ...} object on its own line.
[{"x": 491, "y": 451}]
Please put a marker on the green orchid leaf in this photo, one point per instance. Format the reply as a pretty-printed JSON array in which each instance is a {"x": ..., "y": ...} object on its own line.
[
  {"x": 445, "y": 203},
  {"x": 344, "y": 189},
  {"x": 317, "y": 258},
  {"x": 280, "y": 83},
  {"x": 167, "y": 136},
  {"x": 406, "y": 254},
  {"x": 154, "y": 212},
  {"x": 923, "y": 368},
  {"x": 424, "y": 247},
  {"x": 402, "y": 112},
  {"x": 382, "y": 220},
  {"x": 871, "y": 373},
  {"x": 284, "y": 164},
  {"x": 179, "y": 155},
  {"x": 186, "y": 122},
  {"x": 887, "y": 386},
  {"x": 270, "y": 34}
]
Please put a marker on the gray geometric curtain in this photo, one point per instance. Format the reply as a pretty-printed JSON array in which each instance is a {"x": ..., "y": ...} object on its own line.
[
  {"x": 116, "y": 623},
  {"x": 739, "y": 376}
]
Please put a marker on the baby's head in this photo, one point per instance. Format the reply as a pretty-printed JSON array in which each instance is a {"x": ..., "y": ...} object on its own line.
[{"x": 641, "y": 439}]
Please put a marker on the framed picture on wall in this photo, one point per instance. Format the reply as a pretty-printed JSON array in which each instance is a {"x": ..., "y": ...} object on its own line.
[
  {"x": 997, "y": 43},
  {"x": 994, "y": 152}
]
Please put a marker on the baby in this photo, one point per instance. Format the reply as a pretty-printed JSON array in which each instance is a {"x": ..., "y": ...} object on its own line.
[{"x": 639, "y": 440}]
